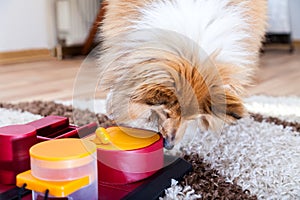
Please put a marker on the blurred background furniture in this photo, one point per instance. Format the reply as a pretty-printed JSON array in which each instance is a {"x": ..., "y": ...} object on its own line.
[
  {"x": 77, "y": 23},
  {"x": 279, "y": 24}
]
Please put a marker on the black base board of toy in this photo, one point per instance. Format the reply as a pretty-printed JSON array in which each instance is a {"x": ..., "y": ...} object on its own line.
[
  {"x": 154, "y": 187},
  {"x": 11, "y": 192}
]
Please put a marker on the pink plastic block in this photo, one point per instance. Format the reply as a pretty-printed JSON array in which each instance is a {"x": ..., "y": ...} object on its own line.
[{"x": 15, "y": 142}]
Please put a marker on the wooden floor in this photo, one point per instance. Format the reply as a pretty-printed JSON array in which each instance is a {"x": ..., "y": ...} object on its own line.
[{"x": 279, "y": 74}]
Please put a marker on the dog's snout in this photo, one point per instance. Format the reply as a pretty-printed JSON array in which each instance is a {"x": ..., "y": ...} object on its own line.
[{"x": 168, "y": 143}]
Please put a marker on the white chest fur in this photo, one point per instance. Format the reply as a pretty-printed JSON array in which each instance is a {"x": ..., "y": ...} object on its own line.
[{"x": 212, "y": 24}]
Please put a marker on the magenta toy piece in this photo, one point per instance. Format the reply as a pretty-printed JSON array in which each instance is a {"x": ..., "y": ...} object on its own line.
[
  {"x": 15, "y": 142},
  {"x": 56, "y": 127},
  {"x": 117, "y": 167}
]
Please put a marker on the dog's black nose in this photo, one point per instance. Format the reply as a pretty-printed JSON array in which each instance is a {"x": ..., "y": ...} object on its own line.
[{"x": 168, "y": 145}]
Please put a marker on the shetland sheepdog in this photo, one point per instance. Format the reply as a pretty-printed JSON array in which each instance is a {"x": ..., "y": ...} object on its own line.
[{"x": 166, "y": 62}]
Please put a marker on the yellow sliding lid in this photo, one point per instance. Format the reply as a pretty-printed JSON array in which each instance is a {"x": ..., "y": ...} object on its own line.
[
  {"x": 123, "y": 138},
  {"x": 62, "y": 149}
]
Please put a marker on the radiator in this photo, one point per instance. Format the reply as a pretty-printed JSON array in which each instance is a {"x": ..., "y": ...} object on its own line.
[{"x": 74, "y": 19}]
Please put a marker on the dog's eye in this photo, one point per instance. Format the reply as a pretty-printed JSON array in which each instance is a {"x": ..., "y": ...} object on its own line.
[
  {"x": 234, "y": 115},
  {"x": 168, "y": 115},
  {"x": 150, "y": 103}
]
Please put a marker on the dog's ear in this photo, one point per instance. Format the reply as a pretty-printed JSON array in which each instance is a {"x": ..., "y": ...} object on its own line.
[
  {"x": 224, "y": 104},
  {"x": 220, "y": 107},
  {"x": 155, "y": 95},
  {"x": 234, "y": 107}
]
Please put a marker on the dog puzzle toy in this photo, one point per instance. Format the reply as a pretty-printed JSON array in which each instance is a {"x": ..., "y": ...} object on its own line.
[
  {"x": 63, "y": 168},
  {"x": 130, "y": 162},
  {"x": 132, "y": 165},
  {"x": 16, "y": 140},
  {"x": 127, "y": 155}
]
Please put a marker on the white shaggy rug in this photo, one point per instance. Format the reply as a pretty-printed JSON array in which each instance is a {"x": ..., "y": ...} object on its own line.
[{"x": 262, "y": 157}]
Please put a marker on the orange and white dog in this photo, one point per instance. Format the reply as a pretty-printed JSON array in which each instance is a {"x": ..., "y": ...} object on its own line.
[{"x": 165, "y": 62}]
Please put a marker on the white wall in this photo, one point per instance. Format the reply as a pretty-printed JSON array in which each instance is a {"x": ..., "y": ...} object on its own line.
[
  {"x": 25, "y": 25},
  {"x": 29, "y": 24}
]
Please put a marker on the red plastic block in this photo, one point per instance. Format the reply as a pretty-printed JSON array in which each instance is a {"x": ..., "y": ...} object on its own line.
[
  {"x": 117, "y": 167},
  {"x": 15, "y": 142}
]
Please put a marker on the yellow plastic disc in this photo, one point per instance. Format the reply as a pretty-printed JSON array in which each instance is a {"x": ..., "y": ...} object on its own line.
[
  {"x": 62, "y": 149},
  {"x": 123, "y": 138}
]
